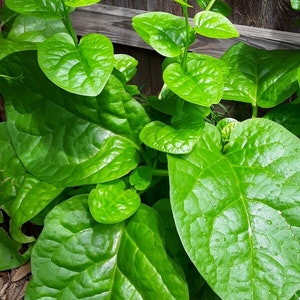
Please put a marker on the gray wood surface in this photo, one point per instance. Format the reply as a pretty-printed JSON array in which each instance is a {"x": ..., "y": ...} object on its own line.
[{"x": 115, "y": 22}]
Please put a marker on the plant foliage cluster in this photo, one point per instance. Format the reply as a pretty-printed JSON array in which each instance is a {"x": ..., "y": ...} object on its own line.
[{"x": 147, "y": 197}]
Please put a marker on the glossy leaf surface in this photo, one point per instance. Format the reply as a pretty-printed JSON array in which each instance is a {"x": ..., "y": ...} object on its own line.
[
  {"x": 126, "y": 65},
  {"x": 34, "y": 30},
  {"x": 214, "y": 25},
  {"x": 163, "y": 31},
  {"x": 112, "y": 203},
  {"x": 53, "y": 9},
  {"x": 81, "y": 69},
  {"x": 56, "y": 134},
  {"x": 177, "y": 138},
  {"x": 237, "y": 212},
  {"x": 7, "y": 47},
  {"x": 261, "y": 77},
  {"x": 201, "y": 84},
  {"x": 121, "y": 261}
]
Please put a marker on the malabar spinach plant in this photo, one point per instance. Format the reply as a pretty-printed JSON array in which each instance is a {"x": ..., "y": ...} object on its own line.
[{"x": 147, "y": 197}]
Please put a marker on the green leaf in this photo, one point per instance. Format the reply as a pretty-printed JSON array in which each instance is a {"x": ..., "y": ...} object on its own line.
[
  {"x": 10, "y": 256},
  {"x": 69, "y": 140},
  {"x": 79, "y": 3},
  {"x": 295, "y": 4},
  {"x": 202, "y": 84},
  {"x": 12, "y": 172},
  {"x": 141, "y": 178},
  {"x": 288, "y": 115},
  {"x": 219, "y": 6},
  {"x": 34, "y": 30},
  {"x": 180, "y": 137},
  {"x": 126, "y": 65},
  {"x": 53, "y": 9},
  {"x": 81, "y": 69},
  {"x": 214, "y": 25},
  {"x": 164, "y": 32},
  {"x": 237, "y": 212},
  {"x": 32, "y": 197},
  {"x": 183, "y": 3},
  {"x": 7, "y": 47},
  {"x": 77, "y": 258},
  {"x": 261, "y": 77},
  {"x": 112, "y": 203}
]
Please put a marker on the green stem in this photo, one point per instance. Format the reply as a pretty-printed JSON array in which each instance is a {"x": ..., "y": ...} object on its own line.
[
  {"x": 210, "y": 4},
  {"x": 187, "y": 41},
  {"x": 160, "y": 172},
  {"x": 69, "y": 26},
  {"x": 254, "y": 111}
]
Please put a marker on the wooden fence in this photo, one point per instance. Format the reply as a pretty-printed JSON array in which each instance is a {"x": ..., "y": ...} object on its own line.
[{"x": 113, "y": 18}]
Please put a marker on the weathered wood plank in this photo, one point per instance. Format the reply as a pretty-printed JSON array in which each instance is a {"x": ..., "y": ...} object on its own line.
[{"x": 115, "y": 22}]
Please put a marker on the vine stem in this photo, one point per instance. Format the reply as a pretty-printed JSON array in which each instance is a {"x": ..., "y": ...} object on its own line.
[
  {"x": 210, "y": 4},
  {"x": 186, "y": 46},
  {"x": 68, "y": 25},
  {"x": 160, "y": 172},
  {"x": 254, "y": 111}
]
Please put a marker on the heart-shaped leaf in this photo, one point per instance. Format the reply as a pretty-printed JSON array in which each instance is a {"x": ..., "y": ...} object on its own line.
[
  {"x": 81, "y": 69},
  {"x": 261, "y": 77},
  {"x": 179, "y": 137},
  {"x": 237, "y": 212},
  {"x": 214, "y": 25},
  {"x": 112, "y": 203},
  {"x": 53, "y": 9},
  {"x": 201, "y": 84},
  {"x": 77, "y": 258},
  {"x": 164, "y": 32},
  {"x": 56, "y": 133}
]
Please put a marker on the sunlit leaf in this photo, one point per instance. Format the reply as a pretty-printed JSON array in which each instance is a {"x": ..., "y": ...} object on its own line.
[
  {"x": 78, "y": 258},
  {"x": 237, "y": 212},
  {"x": 214, "y": 25},
  {"x": 112, "y": 203},
  {"x": 164, "y": 32},
  {"x": 81, "y": 69},
  {"x": 262, "y": 77}
]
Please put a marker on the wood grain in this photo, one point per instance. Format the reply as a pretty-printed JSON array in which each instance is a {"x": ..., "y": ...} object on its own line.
[{"x": 115, "y": 22}]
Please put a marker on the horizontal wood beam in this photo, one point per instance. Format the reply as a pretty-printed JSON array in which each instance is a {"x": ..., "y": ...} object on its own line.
[{"x": 115, "y": 22}]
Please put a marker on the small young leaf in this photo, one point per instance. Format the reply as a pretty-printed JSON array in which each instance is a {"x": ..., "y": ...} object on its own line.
[
  {"x": 218, "y": 7},
  {"x": 112, "y": 203},
  {"x": 183, "y": 3},
  {"x": 237, "y": 212},
  {"x": 126, "y": 65},
  {"x": 202, "y": 84},
  {"x": 214, "y": 25},
  {"x": 164, "y": 32},
  {"x": 53, "y": 9},
  {"x": 81, "y": 69},
  {"x": 261, "y": 77},
  {"x": 295, "y": 4},
  {"x": 77, "y": 258},
  {"x": 140, "y": 178}
]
